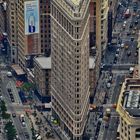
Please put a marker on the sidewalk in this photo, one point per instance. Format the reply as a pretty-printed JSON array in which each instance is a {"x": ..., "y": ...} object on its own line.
[{"x": 43, "y": 127}]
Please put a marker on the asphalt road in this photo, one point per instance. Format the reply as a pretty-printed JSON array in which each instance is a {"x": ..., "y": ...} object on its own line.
[{"x": 15, "y": 107}]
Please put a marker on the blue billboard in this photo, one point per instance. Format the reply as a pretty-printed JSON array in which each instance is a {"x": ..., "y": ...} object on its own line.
[{"x": 31, "y": 17}]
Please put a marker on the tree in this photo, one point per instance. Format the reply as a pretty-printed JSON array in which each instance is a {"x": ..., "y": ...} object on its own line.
[
  {"x": 3, "y": 106},
  {"x": 5, "y": 115},
  {"x": 10, "y": 130}
]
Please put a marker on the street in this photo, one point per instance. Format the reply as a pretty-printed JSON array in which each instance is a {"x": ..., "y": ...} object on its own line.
[
  {"x": 117, "y": 61},
  {"x": 15, "y": 107}
]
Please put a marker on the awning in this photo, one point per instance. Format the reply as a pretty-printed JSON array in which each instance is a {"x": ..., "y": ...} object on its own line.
[{"x": 18, "y": 69}]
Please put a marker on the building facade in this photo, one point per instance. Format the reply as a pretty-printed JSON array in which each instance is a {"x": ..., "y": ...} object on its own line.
[
  {"x": 70, "y": 65},
  {"x": 11, "y": 29},
  {"x": 12, "y": 22},
  {"x": 98, "y": 31},
  {"x": 128, "y": 108},
  {"x": 45, "y": 26},
  {"x": 42, "y": 75},
  {"x": 3, "y": 17},
  {"x": 113, "y": 5},
  {"x": 28, "y": 45},
  {"x": 101, "y": 25}
]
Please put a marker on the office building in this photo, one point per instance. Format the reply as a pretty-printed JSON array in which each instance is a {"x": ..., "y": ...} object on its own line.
[
  {"x": 101, "y": 25},
  {"x": 11, "y": 28},
  {"x": 128, "y": 108},
  {"x": 70, "y": 65},
  {"x": 98, "y": 31},
  {"x": 99, "y": 22},
  {"x": 42, "y": 75},
  {"x": 45, "y": 26},
  {"x": 28, "y": 44}
]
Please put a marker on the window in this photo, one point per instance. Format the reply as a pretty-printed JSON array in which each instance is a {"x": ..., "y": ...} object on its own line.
[
  {"x": 138, "y": 133},
  {"x": 13, "y": 52},
  {"x": 77, "y": 95},
  {"x": 13, "y": 60}
]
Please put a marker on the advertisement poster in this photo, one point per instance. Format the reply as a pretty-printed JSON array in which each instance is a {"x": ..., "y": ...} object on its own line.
[{"x": 31, "y": 17}]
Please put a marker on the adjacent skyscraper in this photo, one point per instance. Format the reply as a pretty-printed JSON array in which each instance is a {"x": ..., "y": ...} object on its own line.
[
  {"x": 98, "y": 30},
  {"x": 70, "y": 64}
]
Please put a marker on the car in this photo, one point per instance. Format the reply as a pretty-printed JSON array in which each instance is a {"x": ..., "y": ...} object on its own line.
[
  {"x": 136, "y": 53},
  {"x": 12, "y": 100},
  {"x": 128, "y": 33},
  {"x": 124, "y": 25},
  {"x": 110, "y": 79},
  {"x": 135, "y": 28},
  {"x": 13, "y": 115},
  {"x": 108, "y": 85},
  {"x": 23, "y": 124},
  {"x": 11, "y": 95},
  {"x": 116, "y": 55},
  {"x": 124, "y": 22},
  {"x": 26, "y": 134},
  {"x": 126, "y": 47},
  {"x": 102, "y": 65},
  {"x": 117, "y": 51},
  {"x": 136, "y": 22},
  {"x": 132, "y": 38},
  {"x": 138, "y": 16},
  {"x": 115, "y": 61},
  {"x": 134, "y": 13},
  {"x": 128, "y": 53},
  {"x": 9, "y": 89},
  {"x": 9, "y": 74},
  {"x": 131, "y": 25},
  {"x": 133, "y": 32},
  {"x": 122, "y": 45}
]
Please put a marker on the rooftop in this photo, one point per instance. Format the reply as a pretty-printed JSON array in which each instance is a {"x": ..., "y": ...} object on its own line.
[
  {"x": 44, "y": 62},
  {"x": 75, "y": 2},
  {"x": 18, "y": 69},
  {"x": 131, "y": 102}
]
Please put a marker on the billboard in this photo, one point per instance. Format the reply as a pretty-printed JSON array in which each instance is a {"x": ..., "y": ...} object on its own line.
[{"x": 31, "y": 17}]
